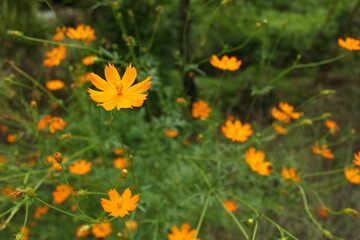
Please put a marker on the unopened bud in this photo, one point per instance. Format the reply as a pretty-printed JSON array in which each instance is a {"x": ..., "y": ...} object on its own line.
[
  {"x": 15, "y": 33},
  {"x": 130, "y": 41},
  {"x": 351, "y": 211},
  {"x": 58, "y": 157},
  {"x": 81, "y": 193},
  {"x": 30, "y": 192},
  {"x": 326, "y": 115},
  {"x": 265, "y": 21},
  {"x": 33, "y": 103},
  {"x": 327, "y": 234},
  {"x": 327, "y": 92},
  {"x": 250, "y": 221},
  {"x": 124, "y": 173},
  {"x": 159, "y": 9},
  {"x": 307, "y": 122},
  {"x": 258, "y": 24}
]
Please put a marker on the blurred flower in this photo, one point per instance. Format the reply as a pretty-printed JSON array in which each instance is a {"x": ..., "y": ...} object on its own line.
[
  {"x": 55, "y": 123},
  {"x": 278, "y": 128},
  {"x": 324, "y": 151},
  {"x": 290, "y": 174},
  {"x": 3, "y": 128},
  {"x": 8, "y": 191},
  {"x": 55, "y": 56},
  {"x": 61, "y": 193},
  {"x": 83, "y": 230},
  {"x": 89, "y": 60},
  {"x": 11, "y": 138},
  {"x": 352, "y": 175},
  {"x": 84, "y": 78},
  {"x": 181, "y": 100},
  {"x": 187, "y": 142},
  {"x": 119, "y": 206},
  {"x": 323, "y": 211},
  {"x": 331, "y": 125},
  {"x": 60, "y": 34},
  {"x": 3, "y": 161},
  {"x": 225, "y": 63},
  {"x": 118, "y": 92},
  {"x": 200, "y": 109},
  {"x": 101, "y": 230},
  {"x": 121, "y": 163},
  {"x": 236, "y": 131},
  {"x": 357, "y": 158},
  {"x": 171, "y": 133},
  {"x": 83, "y": 33},
  {"x": 285, "y": 112},
  {"x": 230, "y": 205},
  {"x": 24, "y": 234},
  {"x": 119, "y": 151},
  {"x": 80, "y": 167},
  {"x": 40, "y": 211},
  {"x": 349, "y": 43},
  {"x": 255, "y": 159},
  {"x": 54, "y": 85},
  {"x": 183, "y": 233},
  {"x": 55, "y": 164},
  {"x": 132, "y": 225}
]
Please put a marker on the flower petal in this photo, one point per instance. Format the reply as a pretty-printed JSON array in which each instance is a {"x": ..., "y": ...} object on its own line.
[
  {"x": 100, "y": 83},
  {"x": 101, "y": 97},
  {"x": 139, "y": 87},
  {"x": 112, "y": 75},
  {"x": 129, "y": 77}
]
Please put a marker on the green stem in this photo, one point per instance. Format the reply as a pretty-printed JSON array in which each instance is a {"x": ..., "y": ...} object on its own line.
[
  {"x": 26, "y": 215},
  {"x": 53, "y": 10},
  {"x": 255, "y": 230},
  {"x": 202, "y": 216},
  {"x": 156, "y": 26},
  {"x": 316, "y": 174}
]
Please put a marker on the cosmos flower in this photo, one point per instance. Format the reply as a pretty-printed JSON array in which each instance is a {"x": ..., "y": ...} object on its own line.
[
  {"x": 236, "y": 131},
  {"x": 200, "y": 109},
  {"x": 290, "y": 174},
  {"x": 80, "y": 167},
  {"x": 230, "y": 205},
  {"x": 225, "y": 63},
  {"x": 119, "y": 206},
  {"x": 82, "y": 32},
  {"x": 324, "y": 151},
  {"x": 54, "y": 57},
  {"x": 183, "y": 233},
  {"x": 349, "y": 43},
  {"x": 255, "y": 159}
]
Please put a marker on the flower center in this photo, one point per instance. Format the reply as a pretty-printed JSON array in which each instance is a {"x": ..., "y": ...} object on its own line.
[
  {"x": 119, "y": 203},
  {"x": 119, "y": 88}
]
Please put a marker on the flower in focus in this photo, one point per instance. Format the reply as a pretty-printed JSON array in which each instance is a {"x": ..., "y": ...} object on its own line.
[
  {"x": 323, "y": 211},
  {"x": 89, "y": 60},
  {"x": 83, "y": 231},
  {"x": 171, "y": 133},
  {"x": 55, "y": 56},
  {"x": 324, "y": 151},
  {"x": 183, "y": 233},
  {"x": 119, "y": 206},
  {"x": 80, "y": 167},
  {"x": 83, "y": 33},
  {"x": 200, "y": 109},
  {"x": 278, "y": 128},
  {"x": 352, "y": 175},
  {"x": 55, "y": 123},
  {"x": 117, "y": 92},
  {"x": 349, "y": 43},
  {"x": 255, "y": 159},
  {"x": 101, "y": 230},
  {"x": 285, "y": 112},
  {"x": 225, "y": 63},
  {"x": 230, "y": 205},
  {"x": 357, "y": 158},
  {"x": 236, "y": 131},
  {"x": 54, "y": 85},
  {"x": 121, "y": 163},
  {"x": 60, "y": 34},
  {"x": 290, "y": 174},
  {"x": 40, "y": 211},
  {"x": 61, "y": 193}
]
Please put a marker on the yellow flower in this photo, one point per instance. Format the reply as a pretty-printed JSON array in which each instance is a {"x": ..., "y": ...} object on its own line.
[
  {"x": 121, "y": 163},
  {"x": 230, "y": 205},
  {"x": 117, "y": 92},
  {"x": 59, "y": 35},
  {"x": 55, "y": 56},
  {"x": 171, "y": 133},
  {"x": 80, "y": 167},
  {"x": 285, "y": 112},
  {"x": 255, "y": 159},
  {"x": 89, "y": 60},
  {"x": 290, "y": 174},
  {"x": 119, "y": 206},
  {"x": 225, "y": 63},
  {"x": 357, "y": 158},
  {"x": 183, "y": 233},
  {"x": 83, "y": 33},
  {"x": 349, "y": 43},
  {"x": 54, "y": 85},
  {"x": 352, "y": 175},
  {"x": 101, "y": 230},
  {"x": 236, "y": 131},
  {"x": 200, "y": 109}
]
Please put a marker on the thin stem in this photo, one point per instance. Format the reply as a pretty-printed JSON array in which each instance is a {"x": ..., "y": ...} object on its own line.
[
  {"x": 255, "y": 230},
  {"x": 202, "y": 216},
  {"x": 26, "y": 215},
  {"x": 156, "y": 26},
  {"x": 53, "y": 10},
  {"x": 316, "y": 174}
]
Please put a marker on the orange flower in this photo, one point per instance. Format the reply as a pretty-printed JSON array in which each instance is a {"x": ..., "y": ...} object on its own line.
[
  {"x": 119, "y": 151},
  {"x": 230, "y": 205},
  {"x": 332, "y": 126},
  {"x": 11, "y": 138},
  {"x": 24, "y": 234},
  {"x": 132, "y": 225},
  {"x": 60, "y": 34},
  {"x": 55, "y": 164},
  {"x": 200, "y": 109},
  {"x": 84, "y": 78},
  {"x": 324, "y": 151},
  {"x": 3, "y": 161},
  {"x": 3, "y": 128},
  {"x": 280, "y": 129},
  {"x": 80, "y": 167},
  {"x": 349, "y": 43},
  {"x": 8, "y": 191},
  {"x": 101, "y": 230},
  {"x": 121, "y": 163},
  {"x": 117, "y": 92},
  {"x": 83, "y": 231},
  {"x": 40, "y": 211},
  {"x": 54, "y": 85},
  {"x": 119, "y": 206},
  {"x": 285, "y": 112},
  {"x": 290, "y": 174},
  {"x": 323, "y": 211},
  {"x": 55, "y": 56},
  {"x": 171, "y": 133},
  {"x": 352, "y": 175},
  {"x": 55, "y": 123},
  {"x": 83, "y": 33},
  {"x": 225, "y": 63},
  {"x": 236, "y": 131},
  {"x": 183, "y": 233},
  {"x": 61, "y": 193},
  {"x": 256, "y": 162},
  {"x": 357, "y": 158},
  {"x": 89, "y": 60}
]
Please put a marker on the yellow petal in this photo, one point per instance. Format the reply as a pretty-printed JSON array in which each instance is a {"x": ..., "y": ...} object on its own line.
[
  {"x": 129, "y": 77},
  {"x": 112, "y": 75},
  {"x": 100, "y": 83},
  {"x": 101, "y": 97},
  {"x": 140, "y": 87},
  {"x": 110, "y": 105},
  {"x": 123, "y": 102}
]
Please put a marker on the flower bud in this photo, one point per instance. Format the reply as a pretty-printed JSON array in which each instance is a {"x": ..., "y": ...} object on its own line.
[
  {"x": 327, "y": 234},
  {"x": 327, "y": 92},
  {"x": 15, "y": 33},
  {"x": 124, "y": 173},
  {"x": 351, "y": 211},
  {"x": 58, "y": 157}
]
